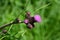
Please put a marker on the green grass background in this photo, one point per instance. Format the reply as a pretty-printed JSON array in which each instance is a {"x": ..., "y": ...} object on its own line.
[{"x": 48, "y": 29}]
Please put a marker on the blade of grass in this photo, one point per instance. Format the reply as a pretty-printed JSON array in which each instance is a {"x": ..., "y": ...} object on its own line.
[
  {"x": 42, "y": 7},
  {"x": 2, "y": 37},
  {"x": 9, "y": 28}
]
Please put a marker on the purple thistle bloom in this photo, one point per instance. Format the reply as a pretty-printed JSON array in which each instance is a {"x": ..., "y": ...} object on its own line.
[{"x": 37, "y": 18}]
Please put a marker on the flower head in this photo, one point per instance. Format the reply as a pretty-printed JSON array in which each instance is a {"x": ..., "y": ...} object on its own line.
[
  {"x": 37, "y": 18},
  {"x": 29, "y": 21}
]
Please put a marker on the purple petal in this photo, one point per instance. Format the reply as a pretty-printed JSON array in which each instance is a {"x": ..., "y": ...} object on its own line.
[
  {"x": 37, "y": 18},
  {"x": 26, "y": 21}
]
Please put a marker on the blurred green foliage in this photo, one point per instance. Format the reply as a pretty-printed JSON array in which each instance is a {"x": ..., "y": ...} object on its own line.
[{"x": 48, "y": 29}]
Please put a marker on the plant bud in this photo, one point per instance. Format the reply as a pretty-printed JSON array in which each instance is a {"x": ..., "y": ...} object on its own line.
[
  {"x": 29, "y": 26},
  {"x": 26, "y": 21},
  {"x": 4, "y": 31}
]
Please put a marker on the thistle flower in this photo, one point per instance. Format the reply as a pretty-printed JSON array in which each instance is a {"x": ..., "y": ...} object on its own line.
[
  {"x": 37, "y": 18},
  {"x": 29, "y": 21}
]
